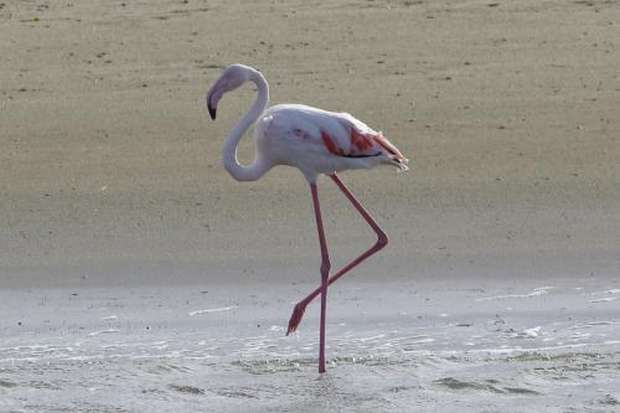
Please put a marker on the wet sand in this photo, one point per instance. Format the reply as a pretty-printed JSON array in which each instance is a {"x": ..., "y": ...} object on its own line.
[
  {"x": 111, "y": 188},
  {"x": 429, "y": 346}
]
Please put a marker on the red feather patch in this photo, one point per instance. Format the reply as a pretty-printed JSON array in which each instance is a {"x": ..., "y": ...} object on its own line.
[
  {"x": 361, "y": 142},
  {"x": 330, "y": 145}
]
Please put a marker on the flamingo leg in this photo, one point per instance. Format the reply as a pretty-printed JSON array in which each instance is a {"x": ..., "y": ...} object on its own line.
[
  {"x": 382, "y": 241},
  {"x": 325, "y": 267}
]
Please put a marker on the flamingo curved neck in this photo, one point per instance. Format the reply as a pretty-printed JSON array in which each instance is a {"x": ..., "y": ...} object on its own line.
[{"x": 260, "y": 165}]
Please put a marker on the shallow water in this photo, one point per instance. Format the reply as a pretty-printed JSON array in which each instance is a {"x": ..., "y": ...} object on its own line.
[{"x": 432, "y": 349}]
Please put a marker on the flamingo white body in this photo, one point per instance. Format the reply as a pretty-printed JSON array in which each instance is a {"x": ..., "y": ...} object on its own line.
[
  {"x": 320, "y": 142},
  {"x": 316, "y": 142}
]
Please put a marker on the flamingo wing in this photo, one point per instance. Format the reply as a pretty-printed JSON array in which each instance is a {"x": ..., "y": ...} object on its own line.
[{"x": 336, "y": 134}]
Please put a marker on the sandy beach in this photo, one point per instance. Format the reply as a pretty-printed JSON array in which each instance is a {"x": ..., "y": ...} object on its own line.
[{"x": 120, "y": 226}]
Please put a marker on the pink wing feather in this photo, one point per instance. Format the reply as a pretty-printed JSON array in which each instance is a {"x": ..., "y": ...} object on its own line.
[
  {"x": 339, "y": 134},
  {"x": 363, "y": 141}
]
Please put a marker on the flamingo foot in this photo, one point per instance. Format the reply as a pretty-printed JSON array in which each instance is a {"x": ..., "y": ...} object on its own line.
[{"x": 298, "y": 313}]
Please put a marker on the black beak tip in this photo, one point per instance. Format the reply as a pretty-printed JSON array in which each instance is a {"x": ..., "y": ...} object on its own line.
[{"x": 211, "y": 112}]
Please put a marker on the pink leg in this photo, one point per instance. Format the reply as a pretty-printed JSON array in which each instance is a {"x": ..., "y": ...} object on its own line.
[
  {"x": 325, "y": 267},
  {"x": 382, "y": 241}
]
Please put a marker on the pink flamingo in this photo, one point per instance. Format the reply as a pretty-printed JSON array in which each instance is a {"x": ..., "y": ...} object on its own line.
[{"x": 314, "y": 141}]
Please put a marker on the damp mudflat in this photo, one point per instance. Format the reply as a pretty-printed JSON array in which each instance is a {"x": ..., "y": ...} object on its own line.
[{"x": 391, "y": 347}]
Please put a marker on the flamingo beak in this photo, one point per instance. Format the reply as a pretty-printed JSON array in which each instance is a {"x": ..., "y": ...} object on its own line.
[
  {"x": 211, "y": 105},
  {"x": 212, "y": 111},
  {"x": 213, "y": 97}
]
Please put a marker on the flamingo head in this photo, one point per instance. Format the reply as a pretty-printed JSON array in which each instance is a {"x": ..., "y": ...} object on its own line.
[{"x": 231, "y": 78}]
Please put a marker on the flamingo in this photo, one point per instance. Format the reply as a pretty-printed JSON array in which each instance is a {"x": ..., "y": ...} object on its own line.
[{"x": 316, "y": 142}]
